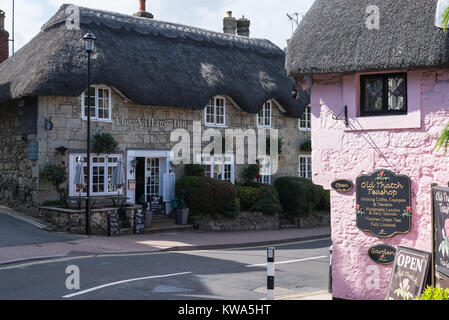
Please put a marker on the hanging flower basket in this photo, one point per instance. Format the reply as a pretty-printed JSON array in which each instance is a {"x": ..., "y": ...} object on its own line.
[{"x": 104, "y": 143}]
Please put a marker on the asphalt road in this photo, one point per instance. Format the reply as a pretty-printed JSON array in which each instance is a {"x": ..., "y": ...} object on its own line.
[
  {"x": 16, "y": 232},
  {"x": 234, "y": 274}
]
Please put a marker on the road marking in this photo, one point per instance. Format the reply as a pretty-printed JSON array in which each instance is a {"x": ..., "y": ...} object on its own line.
[
  {"x": 35, "y": 223},
  {"x": 124, "y": 281},
  {"x": 285, "y": 262}
]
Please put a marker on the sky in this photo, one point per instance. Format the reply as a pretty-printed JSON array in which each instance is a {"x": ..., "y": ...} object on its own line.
[{"x": 268, "y": 17}]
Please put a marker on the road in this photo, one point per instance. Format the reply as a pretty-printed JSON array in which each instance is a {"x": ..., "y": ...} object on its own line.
[
  {"x": 233, "y": 274},
  {"x": 16, "y": 230}
]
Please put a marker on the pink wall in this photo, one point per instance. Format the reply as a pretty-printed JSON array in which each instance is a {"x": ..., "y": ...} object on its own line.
[{"x": 402, "y": 144}]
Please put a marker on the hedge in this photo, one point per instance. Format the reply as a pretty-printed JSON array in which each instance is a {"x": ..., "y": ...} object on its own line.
[
  {"x": 299, "y": 197},
  {"x": 206, "y": 196}
]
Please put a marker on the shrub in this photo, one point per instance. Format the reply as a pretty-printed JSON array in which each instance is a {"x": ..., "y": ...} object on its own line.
[
  {"x": 268, "y": 202},
  {"x": 432, "y": 293},
  {"x": 248, "y": 196},
  {"x": 206, "y": 196},
  {"x": 251, "y": 173},
  {"x": 194, "y": 170},
  {"x": 299, "y": 197},
  {"x": 325, "y": 202}
]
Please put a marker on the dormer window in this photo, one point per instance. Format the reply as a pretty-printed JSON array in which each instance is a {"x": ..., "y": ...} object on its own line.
[
  {"x": 215, "y": 112},
  {"x": 264, "y": 117},
  {"x": 100, "y": 104},
  {"x": 383, "y": 94}
]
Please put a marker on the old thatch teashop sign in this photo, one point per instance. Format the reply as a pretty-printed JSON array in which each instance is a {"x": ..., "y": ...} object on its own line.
[
  {"x": 383, "y": 203},
  {"x": 409, "y": 275}
]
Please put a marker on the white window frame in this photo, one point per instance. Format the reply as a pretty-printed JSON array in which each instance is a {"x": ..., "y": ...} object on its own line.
[
  {"x": 307, "y": 172},
  {"x": 72, "y": 170},
  {"x": 265, "y": 167},
  {"x": 305, "y": 122},
  {"x": 224, "y": 161},
  {"x": 96, "y": 106},
  {"x": 213, "y": 114},
  {"x": 261, "y": 117}
]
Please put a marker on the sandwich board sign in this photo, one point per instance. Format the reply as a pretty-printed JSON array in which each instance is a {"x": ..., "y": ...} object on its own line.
[{"x": 410, "y": 274}]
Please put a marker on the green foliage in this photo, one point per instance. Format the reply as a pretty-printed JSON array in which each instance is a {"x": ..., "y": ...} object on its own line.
[
  {"x": 105, "y": 143},
  {"x": 248, "y": 196},
  {"x": 251, "y": 173},
  {"x": 443, "y": 140},
  {"x": 268, "y": 202},
  {"x": 306, "y": 146},
  {"x": 325, "y": 202},
  {"x": 56, "y": 174},
  {"x": 432, "y": 293},
  {"x": 445, "y": 19},
  {"x": 280, "y": 145},
  {"x": 206, "y": 196},
  {"x": 194, "y": 170},
  {"x": 299, "y": 197}
]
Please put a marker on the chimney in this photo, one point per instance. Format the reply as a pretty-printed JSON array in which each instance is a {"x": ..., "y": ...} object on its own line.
[
  {"x": 243, "y": 27},
  {"x": 4, "y": 38},
  {"x": 230, "y": 24},
  {"x": 142, "y": 11}
]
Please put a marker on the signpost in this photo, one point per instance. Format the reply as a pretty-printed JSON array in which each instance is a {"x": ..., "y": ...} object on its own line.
[
  {"x": 440, "y": 199},
  {"x": 383, "y": 203},
  {"x": 410, "y": 274}
]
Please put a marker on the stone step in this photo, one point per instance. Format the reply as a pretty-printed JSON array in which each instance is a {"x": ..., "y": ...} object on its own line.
[
  {"x": 162, "y": 222},
  {"x": 169, "y": 229}
]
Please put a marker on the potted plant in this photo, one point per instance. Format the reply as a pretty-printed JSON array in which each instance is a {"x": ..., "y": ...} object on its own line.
[
  {"x": 104, "y": 143},
  {"x": 180, "y": 207}
]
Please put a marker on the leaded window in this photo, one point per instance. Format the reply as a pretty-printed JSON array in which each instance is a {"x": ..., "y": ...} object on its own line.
[{"x": 383, "y": 94}]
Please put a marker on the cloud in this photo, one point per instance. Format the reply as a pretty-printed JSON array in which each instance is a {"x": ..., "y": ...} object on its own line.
[{"x": 268, "y": 17}]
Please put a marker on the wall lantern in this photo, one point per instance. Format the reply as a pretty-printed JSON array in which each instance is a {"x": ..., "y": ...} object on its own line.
[
  {"x": 294, "y": 91},
  {"x": 133, "y": 166},
  {"x": 48, "y": 124}
]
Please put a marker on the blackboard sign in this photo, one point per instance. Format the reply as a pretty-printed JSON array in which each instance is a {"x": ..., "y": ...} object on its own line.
[
  {"x": 113, "y": 224},
  {"x": 410, "y": 274},
  {"x": 157, "y": 206},
  {"x": 139, "y": 222},
  {"x": 342, "y": 186},
  {"x": 383, "y": 203},
  {"x": 33, "y": 151},
  {"x": 441, "y": 229}
]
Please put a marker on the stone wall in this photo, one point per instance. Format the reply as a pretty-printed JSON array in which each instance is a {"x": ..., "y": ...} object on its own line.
[
  {"x": 246, "y": 221},
  {"x": 345, "y": 153},
  {"x": 18, "y": 175}
]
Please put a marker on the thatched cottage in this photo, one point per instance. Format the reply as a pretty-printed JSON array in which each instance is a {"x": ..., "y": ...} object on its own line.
[
  {"x": 149, "y": 78},
  {"x": 379, "y": 101}
]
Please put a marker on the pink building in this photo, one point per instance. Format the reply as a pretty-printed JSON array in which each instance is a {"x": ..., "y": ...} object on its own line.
[{"x": 386, "y": 64}]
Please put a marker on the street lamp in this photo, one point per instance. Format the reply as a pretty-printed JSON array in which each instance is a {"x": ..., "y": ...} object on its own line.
[{"x": 89, "y": 42}]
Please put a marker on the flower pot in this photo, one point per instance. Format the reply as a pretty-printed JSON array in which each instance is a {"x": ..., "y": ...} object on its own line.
[{"x": 182, "y": 216}]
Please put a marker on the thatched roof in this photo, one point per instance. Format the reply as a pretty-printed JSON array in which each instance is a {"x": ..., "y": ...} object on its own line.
[
  {"x": 150, "y": 62},
  {"x": 333, "y": 38}
]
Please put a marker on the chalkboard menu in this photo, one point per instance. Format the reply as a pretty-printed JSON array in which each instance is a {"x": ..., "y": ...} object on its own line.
[
  {"x": 383, "y": 203},
  {"x": 441, "y": 225},
  {"x": 410, "y": 274},
  {"x": 139, "y": 222},
  {"x": 342, "y": 186},
  {"x": 113, "y": 224},
  {"x": 157, "y": 206},
  {"x": 382, "y": 253}
]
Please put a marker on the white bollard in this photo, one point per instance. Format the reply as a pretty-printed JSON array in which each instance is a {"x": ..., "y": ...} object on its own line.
[{"x": 270, "y": 273}]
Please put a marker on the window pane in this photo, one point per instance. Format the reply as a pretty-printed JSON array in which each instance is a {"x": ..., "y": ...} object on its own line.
[
  {"x": 397, "y": 91},
  {"x": 373, "y": 95}
]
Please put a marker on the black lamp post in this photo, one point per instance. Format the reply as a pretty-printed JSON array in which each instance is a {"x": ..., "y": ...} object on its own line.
[{"x": 89, "y": 42}]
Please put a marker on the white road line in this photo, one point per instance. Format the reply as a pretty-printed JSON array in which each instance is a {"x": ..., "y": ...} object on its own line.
[
  {"x": 285, "y": 262},
  {"x": 37, "y": 224},
  {"x": 124, "y": 281}
]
